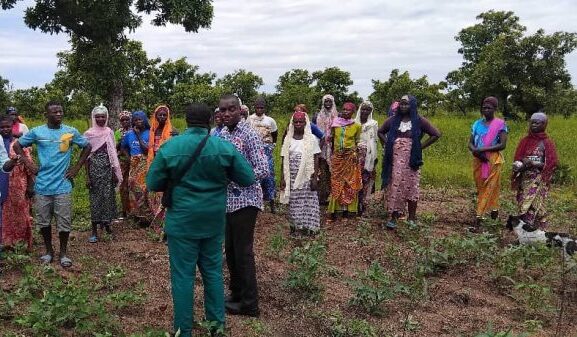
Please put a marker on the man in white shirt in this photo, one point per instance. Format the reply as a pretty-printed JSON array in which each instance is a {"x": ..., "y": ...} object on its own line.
[{"x": 266, "y": 127}]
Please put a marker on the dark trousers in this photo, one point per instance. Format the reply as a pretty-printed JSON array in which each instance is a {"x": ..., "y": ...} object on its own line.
[{"x": 239, "y": 241}]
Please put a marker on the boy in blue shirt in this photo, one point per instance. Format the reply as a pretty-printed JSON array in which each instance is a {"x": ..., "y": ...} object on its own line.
[{"x": 53, "y": 185}]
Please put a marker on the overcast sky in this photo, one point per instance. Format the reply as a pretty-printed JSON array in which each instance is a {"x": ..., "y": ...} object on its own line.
[{"x": 368, "y": 38}]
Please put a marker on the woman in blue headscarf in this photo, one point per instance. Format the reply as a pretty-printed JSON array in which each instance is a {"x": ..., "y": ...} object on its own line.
[
  {"x": 402, "y": 134},
  {"x": 135, "y": 144}
]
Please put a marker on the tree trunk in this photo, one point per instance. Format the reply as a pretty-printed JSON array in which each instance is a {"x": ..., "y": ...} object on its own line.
[
  {"x": 506, "y": 112},
  {"x": 116, "y": 100}
]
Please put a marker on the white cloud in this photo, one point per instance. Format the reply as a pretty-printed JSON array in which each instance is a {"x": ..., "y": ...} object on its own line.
[{"x": 368, "y": 38}]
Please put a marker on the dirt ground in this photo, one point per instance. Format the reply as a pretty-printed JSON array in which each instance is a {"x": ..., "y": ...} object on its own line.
[{"x": 462, "y": 301}]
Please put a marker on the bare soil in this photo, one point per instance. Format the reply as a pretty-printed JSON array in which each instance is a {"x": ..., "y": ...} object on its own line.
[{"x": 462, "y": 301}]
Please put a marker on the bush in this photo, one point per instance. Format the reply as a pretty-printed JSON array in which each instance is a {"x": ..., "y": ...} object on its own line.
[
  {"x": 372, "y": 288},
  {"x": 308, "y": 262}
]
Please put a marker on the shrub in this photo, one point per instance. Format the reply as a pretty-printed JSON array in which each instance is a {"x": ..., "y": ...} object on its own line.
[{"x": 308, "y": 262}]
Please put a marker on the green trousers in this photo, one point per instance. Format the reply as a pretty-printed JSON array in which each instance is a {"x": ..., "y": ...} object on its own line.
[{"x": 185, "y": 255}]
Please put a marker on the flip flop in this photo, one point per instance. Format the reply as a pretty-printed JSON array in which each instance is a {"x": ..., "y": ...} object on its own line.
[
  {"x": 391, "y": 225},
  {"x": 46, "y": 258},
  {"x": 65, "y": 262},
  {"x": 93, "y": 239}
]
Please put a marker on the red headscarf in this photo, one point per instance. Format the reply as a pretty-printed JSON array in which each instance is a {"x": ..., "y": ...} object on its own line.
[{"x": 526, "y": 148}]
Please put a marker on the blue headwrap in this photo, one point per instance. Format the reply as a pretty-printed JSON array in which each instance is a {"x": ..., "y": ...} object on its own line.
[
  {"x": 416, "y": 159},
  {"x": 142, "y": 115}
]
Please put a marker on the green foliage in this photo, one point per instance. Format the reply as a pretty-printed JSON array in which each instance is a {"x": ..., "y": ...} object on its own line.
[
  {"x": 515, "y": 260},
  {"x": 277, "y": 243},
  {"x": 48, "y": 304},
  {"x": 526, "y": 70},
  {"x": 372, "y": 288},
  {"x": 336, "y": 82},
  {"x": 243, "y": 83},
  {"x": 340, "y": 326},
  {"x": 535, "y": 298},
  {"x": 257, "y": 327},
  {"x": 428, "y": 95},
  {"x": 307, "y": 264},
  {"x": 455, "y": 250},
  {"x": 67, "y": 305}
]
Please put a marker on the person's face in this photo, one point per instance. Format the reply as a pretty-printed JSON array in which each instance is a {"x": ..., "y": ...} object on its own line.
[
  {"x": 365, "y": 112},
  {"x": 328, "y": 103},
  {"x": 6, "y": 128},
  {"x": 54, "y": 114},
  {"x": 230, "y": 110},
  {"x": 138, "y": 123},
  {"x": 259, "y": 109},
  {"x": 488, "y": 111},
  {"x": 100, "y": 119},
  {"x": 244, "y": 112},
  {"x": 404, "y": 107},
  {"x": 125, "y": 122},
  {"x": 218, "y": 118},
  {"x": 346, "y": 113},
  {"x": 537, "y": 126},
  {"x": 299, "y": 124},
  {"x": 161, "y": 116},
  {"x": 13, "y": 114}
]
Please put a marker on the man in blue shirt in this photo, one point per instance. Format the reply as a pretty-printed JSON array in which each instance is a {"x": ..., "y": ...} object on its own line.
[{"x": 53, "y": 185}]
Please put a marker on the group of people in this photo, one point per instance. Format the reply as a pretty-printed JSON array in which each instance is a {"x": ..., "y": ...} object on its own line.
[{"x": 208, "y": 185}]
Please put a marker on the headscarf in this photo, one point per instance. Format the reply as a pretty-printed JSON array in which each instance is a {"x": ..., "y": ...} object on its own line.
[
  {"x": 100, "y": 135},
  {"x": 416, "y": 159},
  {"x": 142, "y": 115},
  {"x": 393, "y": 109},
  {"x": 166, "y": 131},
  {"x": 16, "y": 122},
  {"x": 307, "y": 164},
  {"x": 368, "y": 136},
  {"x": 340, "y": 121},
  {"x": 527, "y": 146},
  {"x": 124, "y": 113}
]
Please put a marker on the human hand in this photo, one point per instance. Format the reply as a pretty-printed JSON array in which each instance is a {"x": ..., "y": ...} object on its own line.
[
  {"x": 282, "y": 185},
  {"x": 314, "y": 183},
  {"x": 71, "y": 173},
  {"x": 29, "y": 192}
]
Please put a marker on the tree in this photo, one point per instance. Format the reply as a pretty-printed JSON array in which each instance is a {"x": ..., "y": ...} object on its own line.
[
  {"x": 243, "y": 83},
  {"x": 97, "y": 32},
  {"x": 500, "y": 61},
  {"x": 295, "y": 87},
  {"x": 4, "y": 93},
  {"x": 333, "y": 81},
  {"x": 428, "y": 95}
]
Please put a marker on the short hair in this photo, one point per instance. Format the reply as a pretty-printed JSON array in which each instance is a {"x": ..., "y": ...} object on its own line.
[
  {"x": 231, "y": 96},
  {"x": 51, "y": 103},
  {"x": 198, "y": 114}
]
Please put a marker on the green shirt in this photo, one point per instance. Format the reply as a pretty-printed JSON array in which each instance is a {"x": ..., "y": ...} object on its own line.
[{"x": 199, "y": 200}]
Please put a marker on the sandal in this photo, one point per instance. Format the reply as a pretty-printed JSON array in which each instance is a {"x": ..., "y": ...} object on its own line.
[
  {"x": 391, "y": 225},
  {"x": 65, "y": 262},
  {"x": 46, "y": 259},
  {"x": 412, "y": 224},
  {"x": 93, "y": 239}
]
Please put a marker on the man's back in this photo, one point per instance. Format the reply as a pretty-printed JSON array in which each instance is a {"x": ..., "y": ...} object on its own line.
[{"x": 199, "y": 200}]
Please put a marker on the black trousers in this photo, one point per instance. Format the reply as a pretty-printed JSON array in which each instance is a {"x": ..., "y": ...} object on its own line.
[{"x": 239, "y": 239}]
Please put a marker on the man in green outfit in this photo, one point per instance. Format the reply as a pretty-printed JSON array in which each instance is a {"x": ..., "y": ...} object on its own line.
[{"x": 195, "y": 221}]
